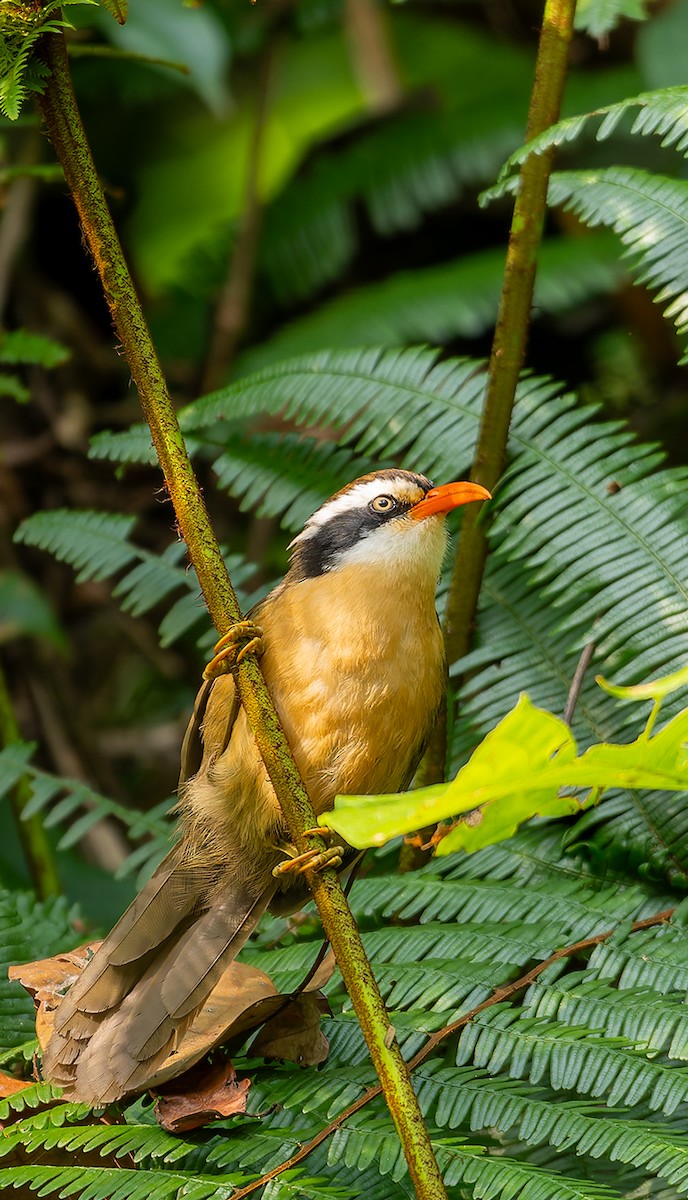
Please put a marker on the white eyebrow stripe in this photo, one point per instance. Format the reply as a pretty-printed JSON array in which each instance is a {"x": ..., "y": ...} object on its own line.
[{"x": 356, "y": 498}]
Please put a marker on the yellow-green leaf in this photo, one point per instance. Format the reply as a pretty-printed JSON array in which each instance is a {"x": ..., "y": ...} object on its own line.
[{"x": 516, "y": 773}]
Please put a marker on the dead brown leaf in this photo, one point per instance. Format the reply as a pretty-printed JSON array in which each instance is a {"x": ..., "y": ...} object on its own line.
[
  {"x": 9, "y": 1084},
  {"x": 47, "y": 980},
  {"x": 204, "y": 1094},
  {"x": 294, "y": 1033},
  {"x": 323, "y": 974},
  {"x": 243, "y": 1000},
  {"x": 239, "y": 1002}
]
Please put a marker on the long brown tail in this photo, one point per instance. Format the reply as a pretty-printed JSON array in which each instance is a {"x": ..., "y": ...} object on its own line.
[{"x": 121, "y": 1018}]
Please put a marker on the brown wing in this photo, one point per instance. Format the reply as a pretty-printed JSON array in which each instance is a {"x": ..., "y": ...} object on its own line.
[
  {"x": 192, "y": 746},
  {"x": 136, "y": 996}
]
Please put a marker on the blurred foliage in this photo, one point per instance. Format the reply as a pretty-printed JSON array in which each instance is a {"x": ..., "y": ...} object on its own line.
[{"x": 297, "y": 187}]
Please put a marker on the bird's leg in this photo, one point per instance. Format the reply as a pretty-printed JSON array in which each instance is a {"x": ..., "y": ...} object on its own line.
[
  {"x": 230, "y": 651},
  {"x": 312, "y": 860}
]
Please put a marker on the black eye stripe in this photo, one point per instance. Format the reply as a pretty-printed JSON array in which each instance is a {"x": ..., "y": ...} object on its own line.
[{"x": 320, "y": 552}]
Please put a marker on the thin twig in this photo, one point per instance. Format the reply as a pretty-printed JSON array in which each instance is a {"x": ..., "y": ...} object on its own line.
[
  {"x": 577, "y": 681},
  {"x": 506, "y": 992},
  {"x": 372, "y": 54}
]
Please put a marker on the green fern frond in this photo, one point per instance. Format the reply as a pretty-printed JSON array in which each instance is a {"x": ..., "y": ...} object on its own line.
[
  {"x": 14, "y": 760},
  {"x": 654, "y": 1021},
  {"x": 33, "y": 1096},
  {"x": 152, "y": 580},
  {"x": 476, "y": 942},
  {"x": 37, "y": 1134},
  {"x": 103, "y": 1183},
  {"x": 428, "y": 899},
  {"x": 80, "y": 808},
  {"x": 97, "y": 546},
  {"x": 23, "y": 26},
  {"x": 23, "y": 1052},
  {"x": 437, "y": 304},
  {"x": 663, "y": 113},
  {"x": 364, "y": 390},
  {"x": 49, "y": 1114},
  {"x": 260, "y": 470},
  {"x": 155, "y": 579},
  {"x": 367, "y": 1142},
  {"x": 94, "y": 543},
  {"x": 649, "y": 212},
  {"x": 133, "y": 445},
  {"x": 70, "y": 802},
  {"x": 470, "y": 1098},
  {"x": 644, "y": 961},
  {"x": 569, "y": 1057},
  {"x": 373, "y": 1142}
]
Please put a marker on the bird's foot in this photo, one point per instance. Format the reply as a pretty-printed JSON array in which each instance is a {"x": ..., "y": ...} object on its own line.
[
  {"x": 419, "y": 842},
  {"x": 245, "y": 637},
  {"x": 312, "y": 860}
]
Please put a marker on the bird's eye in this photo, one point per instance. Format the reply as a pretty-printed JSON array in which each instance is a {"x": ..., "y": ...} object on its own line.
[{"x": 383, "y": 504}]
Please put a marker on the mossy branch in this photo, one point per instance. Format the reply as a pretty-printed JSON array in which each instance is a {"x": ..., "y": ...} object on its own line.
[{"x": 65, "y": 129}]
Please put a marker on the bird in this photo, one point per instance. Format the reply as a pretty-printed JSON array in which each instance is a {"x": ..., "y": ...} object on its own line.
[{"x": 353, "y": 654}]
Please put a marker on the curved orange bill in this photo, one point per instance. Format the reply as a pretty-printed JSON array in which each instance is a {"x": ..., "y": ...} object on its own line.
[{"x": 443, "y": 499}]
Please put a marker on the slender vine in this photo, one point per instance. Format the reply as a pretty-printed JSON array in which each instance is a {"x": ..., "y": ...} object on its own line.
[{"x": 66, "y": 132}]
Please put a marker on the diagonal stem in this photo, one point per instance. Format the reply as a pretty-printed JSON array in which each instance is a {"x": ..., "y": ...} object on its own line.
[{"x": 66, "y": 131}]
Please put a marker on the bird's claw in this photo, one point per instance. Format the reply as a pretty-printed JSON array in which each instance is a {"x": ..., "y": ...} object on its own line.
[
  {"x": 312, "y": 860},
  {"x": 230, "y": 651},
  {"x": 322, "y": 831}
]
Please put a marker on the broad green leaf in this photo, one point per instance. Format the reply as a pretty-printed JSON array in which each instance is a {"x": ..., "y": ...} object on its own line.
[{"x": 516, "y": 773}]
